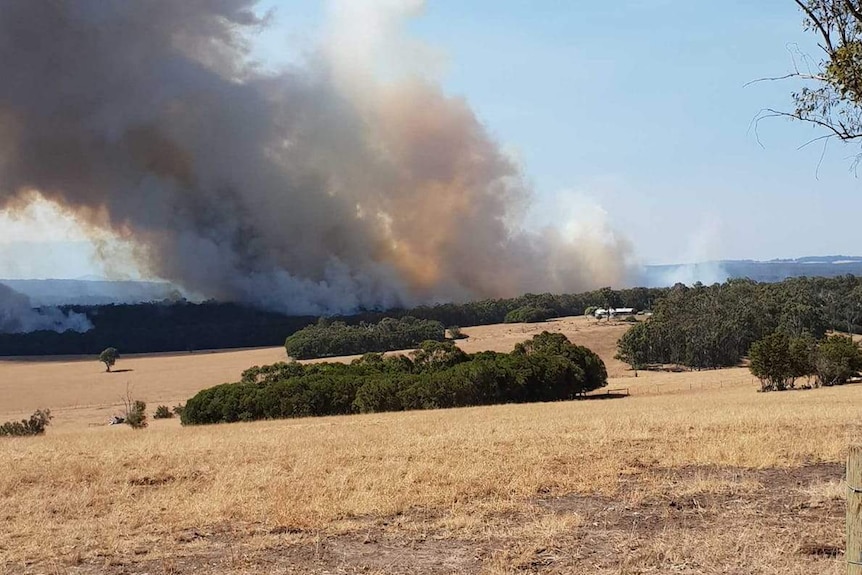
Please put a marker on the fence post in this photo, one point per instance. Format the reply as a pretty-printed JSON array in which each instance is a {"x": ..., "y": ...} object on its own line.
[{"x": 853, "y": 550}]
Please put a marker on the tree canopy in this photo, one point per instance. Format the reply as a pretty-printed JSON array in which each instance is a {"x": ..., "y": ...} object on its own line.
[
  {"x": 436, "y": 375},
  {"x": 330, "y": 338},
  {"x": 778, "y": 360},
  {"x": 832, "y": 96},
  {"x": 772, "y": 362},
  {"x": 109, "y": 357},
  {"x": 714, "y": 326}
]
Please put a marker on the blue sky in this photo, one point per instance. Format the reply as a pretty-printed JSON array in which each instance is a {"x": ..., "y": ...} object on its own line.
[
  {"x": 638, "y": 106},
  {"x": 641, "y": 106}
]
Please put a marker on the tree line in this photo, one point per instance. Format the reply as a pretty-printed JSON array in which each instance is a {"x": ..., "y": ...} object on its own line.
[
  {"x": 331, "y": 338},
  {"x": 160, "y": 327},
  {"x": 184, "y": 326},
  {"x": 172, "y": 326},
  {"x": 436, "y": 375},
  {"x": 705, "y": 327},
  {"x": 536, "y": 307},
  {"x": 779, "y": 360}
]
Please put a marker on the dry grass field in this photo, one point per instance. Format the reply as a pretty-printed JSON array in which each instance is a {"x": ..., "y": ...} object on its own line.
[{"x": 693, "y": 473}]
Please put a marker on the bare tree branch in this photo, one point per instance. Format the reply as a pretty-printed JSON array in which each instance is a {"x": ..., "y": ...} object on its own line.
[
  {"x": 816, "y": 21},
  {"x": 786, "y": 77},
  {"x": 843, "y": 133},
  {"x": 854, "y": 10}
]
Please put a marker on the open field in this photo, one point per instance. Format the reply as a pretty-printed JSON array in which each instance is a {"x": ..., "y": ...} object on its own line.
[
  {"x": 694, "y": 473},
  {"x": 79, "y": 392}
]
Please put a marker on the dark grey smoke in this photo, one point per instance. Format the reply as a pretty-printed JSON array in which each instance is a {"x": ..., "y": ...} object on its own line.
[
  {"x": 297, "y": 191},
  {"x": 18, "y": 316}
]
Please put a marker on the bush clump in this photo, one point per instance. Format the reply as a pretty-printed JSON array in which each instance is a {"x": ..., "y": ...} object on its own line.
[
  {"x": 436, "y": 375},
  {"x": 35, "y": 425},
  {"x": 529, "y": 314},
  {"x": 778, "y": 360},
  {"x": 136, "y": 414},
  {"x": 837, "y": 359},
  {"x": 163, "y": 412},
  {"x": 455, "y": 332},
  {"x": 332, "y": 338}
]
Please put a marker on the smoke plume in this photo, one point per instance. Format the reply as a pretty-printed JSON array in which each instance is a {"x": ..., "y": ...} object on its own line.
[
  {"x": 323, "y": 188},
  {"x": 18, "y": 316}
]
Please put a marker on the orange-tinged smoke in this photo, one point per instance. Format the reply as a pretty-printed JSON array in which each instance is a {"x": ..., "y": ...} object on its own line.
[{"x": 321, "y": 189}]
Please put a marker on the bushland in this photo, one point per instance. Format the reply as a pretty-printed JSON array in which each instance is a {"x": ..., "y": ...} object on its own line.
[{"x": 436, "y": 375}]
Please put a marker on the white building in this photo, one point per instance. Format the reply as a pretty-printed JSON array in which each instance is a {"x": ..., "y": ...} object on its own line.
[{"x": 601, "y": 312}]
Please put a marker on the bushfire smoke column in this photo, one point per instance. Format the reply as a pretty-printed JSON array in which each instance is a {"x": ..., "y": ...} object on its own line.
[{"x": 317, "y": 189}]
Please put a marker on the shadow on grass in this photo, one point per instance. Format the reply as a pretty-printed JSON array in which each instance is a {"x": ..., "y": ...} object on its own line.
[{"x": 606, "y": 395}]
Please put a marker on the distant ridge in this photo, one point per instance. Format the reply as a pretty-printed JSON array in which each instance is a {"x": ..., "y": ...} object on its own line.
[
  {"x": 761, "y": 271},
  {"x": 52, "y": 292},
  {"x": 95, "y": 290},
  {"x": 819, "y": 260}
]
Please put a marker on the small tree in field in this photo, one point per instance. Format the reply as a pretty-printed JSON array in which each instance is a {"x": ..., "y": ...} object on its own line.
[
  {"x": 772, "y": 363},
  {"x": 109, "y": 357},
  {"x": 838, "y": 359},
  {"x": 803, "y": 354}
]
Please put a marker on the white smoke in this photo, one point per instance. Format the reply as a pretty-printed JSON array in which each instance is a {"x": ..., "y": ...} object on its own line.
[{"x": 18, "y": 316}]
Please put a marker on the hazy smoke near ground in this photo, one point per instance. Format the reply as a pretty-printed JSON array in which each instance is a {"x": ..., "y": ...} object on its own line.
[
  {"x": 319, "y": 189},
  {"x": 18, "y": 316}
]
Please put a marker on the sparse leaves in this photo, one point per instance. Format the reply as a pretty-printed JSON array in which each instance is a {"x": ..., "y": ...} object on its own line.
[
  {"x": 136, "y": 411},
  {"x": 833, "y": 98}
]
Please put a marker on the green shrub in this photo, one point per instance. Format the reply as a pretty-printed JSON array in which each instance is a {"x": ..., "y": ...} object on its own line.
[
  {"x": 529, "y": 314},
  {"x": 772, "y": 363},
  {"x": 328, "y": 338},
  {"x": 271, "y": 373},
  {"x": 837, "y": 359},
  {"x": 379, "y": 394},
  {"x": 109, "y": 357},
  {"x": 162, "y": 412},
  {"x": 778, "y": 360},
  {"x": 136, "y": 414},
  {"x": 707, "y": 327},
  {"x": 455, "y": 332},
  {"x": 178, "y": 409},
  {"x": 438, "y": 374},
  {"x": 35, "y": 425}
]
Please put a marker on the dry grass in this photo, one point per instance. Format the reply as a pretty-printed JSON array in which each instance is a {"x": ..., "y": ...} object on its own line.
[
  {"x": 682, "y": 477},
  {"x": 76, "y": 388},
  {"x": 92, "y": 495}
]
